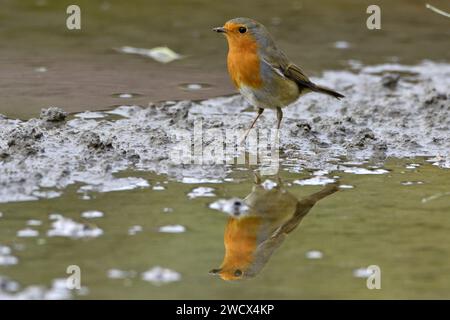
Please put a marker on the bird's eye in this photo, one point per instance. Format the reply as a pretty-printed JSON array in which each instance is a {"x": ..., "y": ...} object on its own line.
[
  {"x": 242, "y": 29},
  {"x": 237, "y": 273}
]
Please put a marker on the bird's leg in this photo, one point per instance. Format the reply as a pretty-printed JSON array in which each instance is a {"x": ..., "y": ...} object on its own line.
[
  {"x": 257, "y": 178},
  {"x": 279, "y": 117},
  {"x": 260, "y": 111}
]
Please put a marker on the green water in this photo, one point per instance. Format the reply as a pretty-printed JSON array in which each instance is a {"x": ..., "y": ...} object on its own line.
[
  {"x": 401, "y": 228},
  {"x": 380, "y": 221}
]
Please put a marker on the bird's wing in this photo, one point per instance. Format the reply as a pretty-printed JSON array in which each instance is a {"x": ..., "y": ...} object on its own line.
[
  {"x": 281, "y": 65},
  {"x": 296, "y": 74}
]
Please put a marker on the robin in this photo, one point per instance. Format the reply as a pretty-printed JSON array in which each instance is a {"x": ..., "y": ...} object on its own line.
[
  {"x": 250, "y": 239},
  {"x": 262, "y": 73}
]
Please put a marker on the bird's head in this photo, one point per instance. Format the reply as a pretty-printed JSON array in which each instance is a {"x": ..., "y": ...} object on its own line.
[{"x": 245, "y": 33}]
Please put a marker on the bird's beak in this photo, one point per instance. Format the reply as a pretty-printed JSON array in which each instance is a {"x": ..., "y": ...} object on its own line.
[
  {"x": 220, "y": 30},
  {"x": 215, "y": 271}
]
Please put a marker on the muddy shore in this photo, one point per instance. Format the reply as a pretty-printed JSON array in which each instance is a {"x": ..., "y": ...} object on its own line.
[{"x": 389, "y": 110}]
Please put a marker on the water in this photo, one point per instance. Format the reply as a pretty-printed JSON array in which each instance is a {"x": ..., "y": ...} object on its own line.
[
  {"x": 401, "y": 228},
  {"x": 140, "y": 231},
  {"x": 82, "y": 68}
]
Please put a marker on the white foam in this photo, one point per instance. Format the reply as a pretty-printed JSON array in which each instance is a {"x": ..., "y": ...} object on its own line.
[
  {"x": 90, "y": 115},
  {"x": 365, "y": 171},
  {"x": 191, "y": 180},
  {"x": 314, "y": 254},
  {"x": 8, "y": 260},
  {"x": 34, "y": 222},
  {"x": 314, "y": 181},
  {"x": 176, "y": 228},
  {"x": 65, "y": 227},
  {"x": 5, "y": 250},
  {"x": 92, "y": 214},
  {"x": 57, "y": 291},
  {"x": 134, "y": 230},
  {"x": 341, "y": 45},
  {"x": 120, "y": 274},
  {"x": 125, "y": 111},
  {"x": 27, "y": 233},
  {"x": 158, "y": 275},
  {"x": 118, "y": 184},
  {"x": 362, "y": 273},
  {"x": 201, "y": 192}
]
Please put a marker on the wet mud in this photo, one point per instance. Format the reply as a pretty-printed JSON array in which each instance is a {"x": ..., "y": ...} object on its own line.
[{"x": 389, "y": 110}]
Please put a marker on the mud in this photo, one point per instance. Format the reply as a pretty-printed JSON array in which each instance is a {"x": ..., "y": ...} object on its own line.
[
  {"x": 389, "y": 110},
  {"x": 53, "y": 114}
]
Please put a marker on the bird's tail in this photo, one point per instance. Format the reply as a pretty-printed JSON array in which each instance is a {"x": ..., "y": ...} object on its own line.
[
  {"x": 328, "y": 91},
  {"x": 325, "y": 192}
]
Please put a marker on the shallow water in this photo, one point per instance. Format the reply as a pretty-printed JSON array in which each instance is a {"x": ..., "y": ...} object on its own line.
[
  {"x": 381, "y": 220},
  {"x": 121, "y": 220},
  {"x": 43, "y": 64}
]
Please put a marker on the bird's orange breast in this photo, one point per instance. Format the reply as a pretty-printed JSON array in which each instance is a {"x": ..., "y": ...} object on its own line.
[
  {"x": 243, "y": 61},
  {"x": 241, "y": 240}
]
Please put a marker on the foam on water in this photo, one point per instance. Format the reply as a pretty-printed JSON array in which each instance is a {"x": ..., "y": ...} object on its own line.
[
  {"x": 65, "y": 227},
  {"x": 201, "y": 192},
  {"x": 158, "y": 275},
  {"x": 176, "y": 228},
  {"x": 92, "y": 214}
]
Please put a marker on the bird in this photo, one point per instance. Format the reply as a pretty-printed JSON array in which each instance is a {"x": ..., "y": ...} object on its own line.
[
  {"x": 252, "y": 236},
  {"x": 262, "y": 72}
]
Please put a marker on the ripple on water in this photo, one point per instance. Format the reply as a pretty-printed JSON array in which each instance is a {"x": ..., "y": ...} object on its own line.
[
  {"x": 126, "y": 95},
  {"x": 194, "y": 86}
]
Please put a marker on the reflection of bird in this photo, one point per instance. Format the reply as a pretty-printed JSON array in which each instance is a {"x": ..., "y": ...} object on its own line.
[
  {"x": 251, "y": 238},
  {"x": 263, "y": 73}
]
